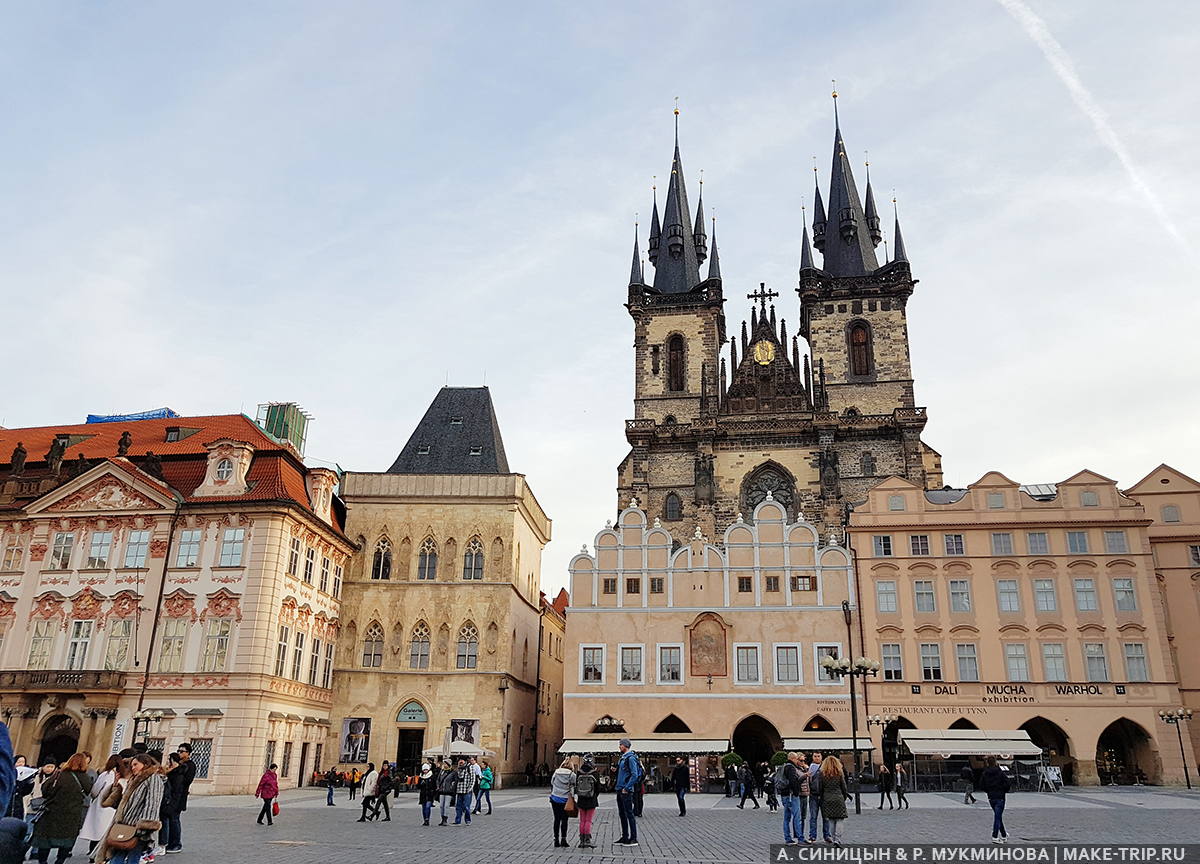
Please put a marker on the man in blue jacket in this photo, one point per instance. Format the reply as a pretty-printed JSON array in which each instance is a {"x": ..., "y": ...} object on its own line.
[{"x": 629, "y": 774}]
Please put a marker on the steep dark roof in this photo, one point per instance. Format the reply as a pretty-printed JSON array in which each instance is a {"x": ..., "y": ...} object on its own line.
[
  {"x": 459, "y": 434},
  {"x": 676, "y": 274},
  {"x": 855, "y": 255}
]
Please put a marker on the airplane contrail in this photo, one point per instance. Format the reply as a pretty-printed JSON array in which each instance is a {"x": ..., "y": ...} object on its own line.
[{"x": 1064, "y": 68}]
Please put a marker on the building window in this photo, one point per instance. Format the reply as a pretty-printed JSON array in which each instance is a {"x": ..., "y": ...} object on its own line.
[
  {"x": 1016, "y": 661},
  {"x": 233, "y": 541},
  {"x": 1115, "y": 543},
  {"x": 202, "y": 757},
  {"x": 745, "y": 584},
  {"x": 14, "y": 556},
  {"x": 314, "y": 662},
  {"x": 609, "y": 585},
  {"x": 216, "y": 644},
  {"x": 381, "y": 561},
  {"x": 293, "y": 566},
  {"x": 670, "y": 664},
  {"x": 631, "y": 664},
  {"x": 1045, "y": 597},
  {"x": 310, "y": 564},
  {"x": 867, "y": 465},
  {"x": 224, "y": 469},
  {"x": 591, "y": 659},
  {"x": 1077, "y": 543},
  {"x": 960, "y": 595},
  {"x": 955, "y": 545},
  {"x": 116, "y": 652},
  {"x": 327, "y": 671},
  {"x": 1170, "y": 513},
  {"x": 746, "y": 664},
  {"x": 285, "y": 767},
  {"x": 324, "y": 586},
  {"x": 883, "y": 545},
  {"x": 896, "y": 503},
  {"x": 1089, "y": 498},
  {"x": 136, "y": 549},
  {"x": 787, "y": 664},
  {"x": 824, "y": 676},
  {"x": 656, "y": 584},
  {"x": 804, "y": 583},
  {"x": 673, "y": 508},
  {"x": 99, "y": 550},
  {"x": 1125, "y": 596},
  {"x": 418, "y": 646},
  {"x": 271, "y": 745},
  {"x": 1085, "y": 596},
  {"x": 885, "y": 595},
  {"x": 41, "y": 644},
  {"x": 860, "y": 349},
  {"x": 473, "y": 560},
  {"x": 337, "y": 581},
  {"x": 1009, "y": 595},
  {"x": 967, "y": 659},
  {"x": 931, "y": 661},
  {"x": 60, "y": 553},
  {"x": 633, "y": 585},
  {"x": 923, "y": 596},
  {"x": 1038, "y": 543},
  {"x": 188, "y": 552},
  {"x": 919, "y": 544},
  {"x": 995, "y": 500},
  {"x": 1054, "y": 661},
  {"x": 468, "y": 647},
  {"x": 1135, "y": 662},
  {"x": 893, "y": 664},
  {"x": 675, "y": 364},
  {"x": 174, "y": 641},
  {"x": 1194, "y": 555},
  {"x": 1002, "y": 543},
  {"x": 298, "y": 656},
  {"x": 1096, "y": 661},
  {"x": 372, "y": 653},
  {"x": 427, "y": 560},
  {"x": 77, "y": 648}
]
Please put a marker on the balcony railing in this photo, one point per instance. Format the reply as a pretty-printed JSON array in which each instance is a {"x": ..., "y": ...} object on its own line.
[{"x": 58, "y": 680}]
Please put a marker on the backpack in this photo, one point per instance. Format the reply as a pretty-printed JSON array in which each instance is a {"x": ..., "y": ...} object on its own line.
[
  {"x": 782, "y": 786},
  {"x": 384, "y": 786},
  {"x": 585, "y": 786}
]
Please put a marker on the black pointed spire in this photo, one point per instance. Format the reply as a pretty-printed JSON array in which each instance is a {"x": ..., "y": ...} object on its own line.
[
  {"x": 818, "y": 225},
  {"x": 848, "y": 251},
  {"x": 806, "y": 259},
  {"x": 871, "y": 213},
  {"x": 636, "y": 277},
  {"x": 714, "y": 263},
  {"x": 676, "y": 269},
  {"x": 733, "y": 349},
  {"x": 898, "y": 253},
  {"x": 698, "y": 230},
  {"x": 724, "y": 380},
  {"x": 745, "y": 339},
  {"x": 655, "y": 229}
]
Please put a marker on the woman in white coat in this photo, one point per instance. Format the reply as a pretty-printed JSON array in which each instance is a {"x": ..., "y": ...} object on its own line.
[{"x": 99, "y": 818}]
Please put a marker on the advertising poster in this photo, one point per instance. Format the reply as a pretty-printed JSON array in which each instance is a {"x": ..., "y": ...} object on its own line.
[
  {"x": 465, "y": 730},
  {"x": 356, "y": 738}
]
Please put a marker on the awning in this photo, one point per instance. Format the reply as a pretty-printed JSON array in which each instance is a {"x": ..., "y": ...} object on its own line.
[
  {"x": 826, "y": 743},
  {"x": 458, "y": 748},
  {"x": 969, "y": 742},
  {"x": 654, "y": 745}
]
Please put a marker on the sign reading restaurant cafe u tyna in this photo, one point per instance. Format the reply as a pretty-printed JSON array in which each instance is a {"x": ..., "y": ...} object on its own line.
[{"x": 412, "y": 712}]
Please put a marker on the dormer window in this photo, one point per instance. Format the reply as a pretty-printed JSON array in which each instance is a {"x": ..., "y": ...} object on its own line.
[
  {"x": 172, "y": 433},
  {"x": 476, "y": 451},
  {"x": 224, "y": 469},
  {"x": 422, "y": 449}
]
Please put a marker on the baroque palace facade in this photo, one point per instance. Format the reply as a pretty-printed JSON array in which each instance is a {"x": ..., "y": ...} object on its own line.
[
  {"x": 778, "y": 504},
  {"x": 184, "y": 567}
]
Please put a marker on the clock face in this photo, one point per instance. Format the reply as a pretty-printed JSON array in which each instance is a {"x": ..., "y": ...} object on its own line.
[{"x": 764, "y": 352}]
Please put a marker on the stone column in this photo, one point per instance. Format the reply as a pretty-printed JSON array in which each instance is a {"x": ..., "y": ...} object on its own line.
[{"x": 1085, "y": 773}]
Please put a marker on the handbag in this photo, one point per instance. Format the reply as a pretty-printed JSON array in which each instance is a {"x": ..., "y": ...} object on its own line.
[
  {"x": 122, "y": 837},
  {"x": 274, "y": 808},
  {"x": 570, "y": 808}
]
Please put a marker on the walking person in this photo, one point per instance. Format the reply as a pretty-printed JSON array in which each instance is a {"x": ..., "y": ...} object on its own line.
[
  {"x": 331, "y": 777},
  {"x": 791, "y": 783},
  {"x": 268, "y": 791},
  {"x": 370, "y": 783},
  {"x": 730, "y": 780},
  {"x": 383, "y": 786},
  {"x": 139, "y": 805},
  {"x": 447, "y": 782},
  {"x": 814, "y": 801},
  {"x": 477, "y": 773},
  {"x": 901, "y": 785},
  {"x": 64, "y": 793},
  {"x": 681, "y": 779},
  {"x": 562, "y": 789},
  {"x": 746, "y": 779},
  {"x": 834, "y": 796},
  {"x": 98, "y": 818},
  {"x": 767, "y": 784},
  {"x": 994, "y": 784},
  {"x": 967, "y": 782},
  {"x": 464, "y": 787},
  {"x": 427, "y": 791},
  {"x": 587, "y": 799},
  {"x": 628, "y": 777},
  {"x": 486, "y": 778},
  {"x": 886, "y": 783}
]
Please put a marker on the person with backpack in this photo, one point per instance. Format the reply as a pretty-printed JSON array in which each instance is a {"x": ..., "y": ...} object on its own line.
[
  {"x": 746, "y": 779},
  {"x": 994, "y": 784},
  {"x": 791, "y": 784},
  {"x": 767, "y": 784},
  {"x": 587, "y": 799},
  {"x": 681, "y": 779},
  {"x": 447, "y": 783},
  {"x": 628, "y": 778}
]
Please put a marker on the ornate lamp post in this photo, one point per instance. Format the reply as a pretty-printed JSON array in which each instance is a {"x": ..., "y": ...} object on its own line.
[
  {"x": 860, "y": 668},
  {"x": 1174, "y": 718}
]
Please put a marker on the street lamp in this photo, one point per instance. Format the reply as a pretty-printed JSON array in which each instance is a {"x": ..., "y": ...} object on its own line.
[
  {"x": 142, "y": 720},
  {"x": 1174, "y": 718},
  {"x": 859, "y": 668}
]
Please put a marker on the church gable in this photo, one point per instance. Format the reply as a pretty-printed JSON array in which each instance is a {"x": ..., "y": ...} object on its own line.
[
  {"x": 102, "y": 490},
  {"x": 765, "y": 380}
]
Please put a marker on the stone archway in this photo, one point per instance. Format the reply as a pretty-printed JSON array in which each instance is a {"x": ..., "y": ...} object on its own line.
[
  {"x": 756, "y": 739},
  {"x": 817, "y": 723},
  {"x": 672, "y": 724},
  {"x": 59, "y": 739},
  {"x": 1054, "y": 743},
  {"x": 891, "y": 739},
  {"x": 963, "y": 723},
  {"x": 769, "y": 477},
  {"x": 1125, "y": 754}
]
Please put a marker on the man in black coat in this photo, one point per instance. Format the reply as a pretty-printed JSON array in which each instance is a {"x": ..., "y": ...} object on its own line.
[
  {"x": 188, "y": 767},
  {"x": 681, "y": 779}
]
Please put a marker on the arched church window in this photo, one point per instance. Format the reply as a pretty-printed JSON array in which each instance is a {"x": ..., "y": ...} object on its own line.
[
  {"x": 768, "y": 478},
  {"x": 473, "y": 560},
  {"x": 418, "y": 648},
  {"x": 868, "y": 465},
  {"x": 381, "y": 564},
  {"x": 860, "y": 349},
  {"x": 675, "y": 368},
  {"x": 427, "y": 560},
  {"x": 373, "y": 646},
  {"x": 468, "y": 647},
  {"x": 673, "y": 508}
]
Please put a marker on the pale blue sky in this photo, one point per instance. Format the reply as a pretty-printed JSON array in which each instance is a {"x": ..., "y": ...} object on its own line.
[{"x": 351, "y": 204}]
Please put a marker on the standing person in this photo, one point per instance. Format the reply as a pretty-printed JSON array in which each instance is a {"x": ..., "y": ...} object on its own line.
[
  {"x": 746, "y": 779},
  {"x": 767, "y": 785},
  {"x": 681, "y": 779},
  {"x": 353, "y": 782},
  {"x": 731, "y": 780},
  {"x": 834, "y": 796},
  {"x": 447, "y": 783},
  {"x": 174, "y": 798},
  {"x": 886, "y": 782},
  {"x": 477, "y": 773},
  {"x": 188, "y": 767},
  {"x": 994, "y": 784},
  {"x": 25, "y": 778},
  {"x": 486, "y": 778},
  {"x": 814, "y": 800},
  {"x": 370, "y": 783},
  {"x": 383, "y": 786},
  {"x": 331, "y": 777},
  {"x": 791, "y": 783},
  {"x": 139, "y": 807},
  {"x": 427, "y": 790},
  {"x": 464, "y": 787},
  {"x": 901, "y": 785},
  {"x": 628, "y": 776},
  {"x": 967, "y": 781},
  {"x": 65, "y": 793},
  {"x": 587, "y": 799},
  {"x": 562, "y": 789},
  {"x": 639, "y": 790},
  {"x": 268, "y": 791}
]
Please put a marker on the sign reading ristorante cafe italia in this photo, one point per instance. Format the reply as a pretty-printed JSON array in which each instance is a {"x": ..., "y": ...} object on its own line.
[{"x": 928, "y": 696}]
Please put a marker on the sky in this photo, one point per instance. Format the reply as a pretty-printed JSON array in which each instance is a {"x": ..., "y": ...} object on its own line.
[{"x": 209, "y": 206}]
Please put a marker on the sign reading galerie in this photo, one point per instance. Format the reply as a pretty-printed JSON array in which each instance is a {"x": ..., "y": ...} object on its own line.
[{"x": 412, "y": 712}]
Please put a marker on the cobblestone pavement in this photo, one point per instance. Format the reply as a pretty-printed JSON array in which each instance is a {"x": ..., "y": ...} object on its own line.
[{"x": 306, "y": 832}]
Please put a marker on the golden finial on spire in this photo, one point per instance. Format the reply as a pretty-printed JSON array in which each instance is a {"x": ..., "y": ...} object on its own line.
[
  {"x": 814, "y": 158},
  {"x": 653, "y": 182},
  {"x": 676, "y": 106},
  {"x": 834, "y": 88},
  {"x": 702, "y": 178}
]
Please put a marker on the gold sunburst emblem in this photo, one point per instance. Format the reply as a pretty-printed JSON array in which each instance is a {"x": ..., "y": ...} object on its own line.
[{"x": 764, "y": 352}]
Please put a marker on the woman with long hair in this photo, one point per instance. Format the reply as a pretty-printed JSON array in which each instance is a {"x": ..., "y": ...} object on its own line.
[
  {"x": 901, "y": 785},
  {"x": 562, "y": 789},
  {"x": 99, "y": 818},
  {"x": 64, "y": 793},
  {"x": 138, "y": 808},
  {"x": 886, "y": 782},
  {"x": 834, "y": 795},
  {"x": 587, "y": 799}
]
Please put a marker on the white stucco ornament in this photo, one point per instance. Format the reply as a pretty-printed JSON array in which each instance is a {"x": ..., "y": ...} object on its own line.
[
  {"x": 633, "y": 503},
  {"x": 697, "y": 535},
  {"x": 583, "y": 549},
  {"x": 741, "y": 518},
  {"x": 770, "y": 497},
  {"x": 607, "y": 523},
  {"x": 832, "y": 540},
  {"x": 657, "y": 522}
]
